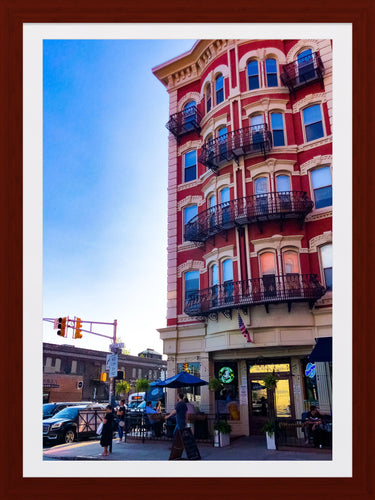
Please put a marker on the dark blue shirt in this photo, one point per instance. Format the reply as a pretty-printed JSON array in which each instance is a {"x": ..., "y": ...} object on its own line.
[{"x": 181, "y": 410}]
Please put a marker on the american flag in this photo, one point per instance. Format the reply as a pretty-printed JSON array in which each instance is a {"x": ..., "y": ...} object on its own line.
[{"x": 243, "y": 329}]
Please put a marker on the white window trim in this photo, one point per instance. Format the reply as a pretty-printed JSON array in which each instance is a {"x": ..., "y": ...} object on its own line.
[
  {"x": 321, "y": 268},
  {"x": 190, "y": 96},
  {"x": 276, "y": 259},
  {"x": 305, "y": 141},
  {"x": 312, "y": 194},
  {"x": 280, "y": 112}
]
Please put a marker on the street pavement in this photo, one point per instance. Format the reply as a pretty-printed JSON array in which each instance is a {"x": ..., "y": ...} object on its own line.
[{"x": 243, "y": 448}]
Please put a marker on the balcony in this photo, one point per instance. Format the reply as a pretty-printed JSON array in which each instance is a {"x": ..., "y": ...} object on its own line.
[
  {"x": 269, "y": 289},
  {"x": 251, "y": 209},
  {"x": 302, "y": 72},
  {"x": 251, "y": 140},
  {"x": 187, "y": 120}
]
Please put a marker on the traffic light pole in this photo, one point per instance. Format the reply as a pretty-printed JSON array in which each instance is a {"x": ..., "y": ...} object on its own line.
[{"x": 112, "y": 380}]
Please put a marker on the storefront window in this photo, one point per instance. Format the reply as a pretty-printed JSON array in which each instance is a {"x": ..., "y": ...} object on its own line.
[
  {"x": 310, "y": 386},
  {"x": 227, "y": 400},
  {"x": 192, "y": 393}
]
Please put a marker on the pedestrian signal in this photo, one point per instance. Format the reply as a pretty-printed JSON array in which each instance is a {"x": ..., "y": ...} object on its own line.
[
  {"x": 103, "y": 377},
  {"x": 62, "y": 327},
  {"x": 78, "y": 334}
]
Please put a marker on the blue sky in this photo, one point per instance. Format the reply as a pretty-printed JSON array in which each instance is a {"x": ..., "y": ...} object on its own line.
[{"x": 105, "y": 187}]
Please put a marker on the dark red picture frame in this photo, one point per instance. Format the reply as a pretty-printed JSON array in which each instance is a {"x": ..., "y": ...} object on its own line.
[{"x": 362, "y": 16}]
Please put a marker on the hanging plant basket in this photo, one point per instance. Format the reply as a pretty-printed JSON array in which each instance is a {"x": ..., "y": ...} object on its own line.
[{"x": 270, "y": 380}]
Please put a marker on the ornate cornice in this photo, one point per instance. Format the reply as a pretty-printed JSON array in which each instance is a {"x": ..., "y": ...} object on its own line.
[
  {"x": 190, "y": 265},
  {"x": 320, "y": 240},
  {"x": 314, "y": 162}
]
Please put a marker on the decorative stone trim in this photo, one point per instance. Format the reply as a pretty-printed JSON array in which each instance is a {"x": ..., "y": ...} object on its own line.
[
  {"x": 302, "y": 44},
  {"x": 265, "y": 105},
  {"x": 314, "y": 162},
  {"x": 309, "y": 99},
  {"x": 213, "y": 123},
  {"x": 190, "y": 265},
  {"x": 320, "y": 240},
  {"x": 276, "y": 242},
  {"x": 189, "y": 245},
  {"x": 318, "y": 216},
  {"x": 189, "y": 146},
  {"x": 189, "y": 200},
  {"x": 271, "y": 165},
  {"x": 314, "y": 144},
  {"x": 218, "y": 254},
  {"x": 184, "y": 318},
  {"x": 216, "y": 183},
  {"x": 190, "y": 184},
  {"x": 190, "y": 96}
]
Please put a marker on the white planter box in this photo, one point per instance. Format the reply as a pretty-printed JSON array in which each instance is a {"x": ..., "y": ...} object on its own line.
[
  {"x": 271, "y": 445},
  {"x": 224, "y": 439}
]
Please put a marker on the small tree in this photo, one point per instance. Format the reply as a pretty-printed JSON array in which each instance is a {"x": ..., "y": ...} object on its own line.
[
  {"x": 142, "y": 385},
  {"x": 270, "y": 381},
  {"x": 122, "y": 387}
]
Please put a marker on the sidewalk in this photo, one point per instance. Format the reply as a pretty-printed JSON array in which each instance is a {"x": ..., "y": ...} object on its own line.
[{"x": 244, "y": 448}]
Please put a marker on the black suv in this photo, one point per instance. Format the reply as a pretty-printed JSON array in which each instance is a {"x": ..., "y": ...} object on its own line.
[
  {"x": 49, "y": 409},
  {"x": 73, "y": 422}
]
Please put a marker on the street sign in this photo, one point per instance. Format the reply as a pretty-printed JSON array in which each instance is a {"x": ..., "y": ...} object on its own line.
[
  {"x": 113, "y": 365},
  {"x": 121, "y": 345},
  {"x": 107, "y": 362}
]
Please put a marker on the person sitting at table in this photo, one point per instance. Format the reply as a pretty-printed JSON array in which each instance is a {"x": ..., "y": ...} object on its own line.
[
  {"x": 190, "y": 406},
  {"x": 158, "y": 407},
  {"x": 313, "y": 427},
  {"x": 155, "y": 424}
]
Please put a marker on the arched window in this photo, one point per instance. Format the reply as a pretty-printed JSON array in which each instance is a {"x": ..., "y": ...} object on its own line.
[
  {"x": 190, "y": 166},
  {"x": 261, "y": 190},
  {"x": 268, "y": 270},
  {"x": 271, "y": 71},
  {"x": 214, "y": 284},
  {"x": 225, "y": 205},
  {"x": 212, "y": 212},
  {"x": 253, "y": 75},
  {"x": 191, "y": 285},
  {"x": 190, "y": 115},
  {"x": 305, "y": 64},
  {"x": 312, "y": 119},
  {"x": 219, "y": 88},
  {"x": 222, "y": 139},
  {"x": 208, "y": 97},
  {"x": 228, "y": 280},
  {"x": 277, "y": 129},
  {"x": 322, "y": 186},
  {"x": 190, "y": 212},
  {"x": 283, "y": 188},
  {"x": 257, "y": 123},
  {"x": 326, "y": 257},
  {"x": 290, "y": 262}
]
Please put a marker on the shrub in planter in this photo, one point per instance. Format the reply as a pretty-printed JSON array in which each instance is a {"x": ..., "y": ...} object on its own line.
[
  {"x": 223, "y": 427},
  {"x": 269, "y": 427}
]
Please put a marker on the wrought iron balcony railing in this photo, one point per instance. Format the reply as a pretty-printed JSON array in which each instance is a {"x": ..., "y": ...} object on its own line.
[
  {"x": 250, "y": 140},
  {"x": 251, "y": 209},
  {"x": 304, "y": 71},
  {"x": 269, "y": 289},
  {"x": 185, "y": 121}
]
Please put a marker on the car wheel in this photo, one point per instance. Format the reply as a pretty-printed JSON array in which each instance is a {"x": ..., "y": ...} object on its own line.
[{"x": 69, "y": 436}]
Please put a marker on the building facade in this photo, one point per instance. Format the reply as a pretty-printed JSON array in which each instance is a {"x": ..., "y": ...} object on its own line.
[
  {"x": 73, "y": 374},
  {"x": 250, "y": 222}
]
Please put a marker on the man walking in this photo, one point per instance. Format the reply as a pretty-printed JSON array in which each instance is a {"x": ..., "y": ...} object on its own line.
[{"x": 180, "y": 412}]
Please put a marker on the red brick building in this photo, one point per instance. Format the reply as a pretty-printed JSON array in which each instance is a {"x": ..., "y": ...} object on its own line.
[{"x": 250, "y": 222}]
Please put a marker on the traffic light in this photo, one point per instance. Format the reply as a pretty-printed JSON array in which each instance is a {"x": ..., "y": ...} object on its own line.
[
  {"x": 62, "y": 327},
  {"x": 120, "y": 375},
  {"x": 185, "y": 367},
  {"x": 78, "y": 334},
  {"x": 103, "y": 377}
]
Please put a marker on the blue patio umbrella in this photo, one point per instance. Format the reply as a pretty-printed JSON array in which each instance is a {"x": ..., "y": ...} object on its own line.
[{"x": 182, "y": 379}]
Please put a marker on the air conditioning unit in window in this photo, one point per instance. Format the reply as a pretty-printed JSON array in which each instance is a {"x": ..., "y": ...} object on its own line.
[{"x": 80, "y": 384}]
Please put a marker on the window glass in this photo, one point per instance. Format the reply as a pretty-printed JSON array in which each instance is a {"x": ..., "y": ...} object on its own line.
[
  {"x": 224, "y": 195},
  {"x": 219, "y": 89},
  {"x": 190, "y": 166},
  {"x": 191, "y": 284},
  {"x": 228, "y": 270},
  {"x": 267, "y": 263},
  {"x": 252, "y": 71},
  {"x": 290, "y": 262},
  {"x": 312, "y": 118},
  {"x": 271, "y": 70},
  {"x": 212, "y": 201},
  {"x": 260, "y": 185},
  {"x": 322, "y": 185},
  {"x": 326, "y": 254},
  {"x": 208, "y": 98},
  {"x": 283, "y": 183},
  {"x": 214, "y": 275},
  {"x": 256, "y": 120},
  {"x": 277, "y": 129},
  {"x": 190, "y": 212}
]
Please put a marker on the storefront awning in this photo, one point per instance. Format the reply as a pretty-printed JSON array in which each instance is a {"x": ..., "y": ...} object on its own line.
[{"x": 322, "y": 350}]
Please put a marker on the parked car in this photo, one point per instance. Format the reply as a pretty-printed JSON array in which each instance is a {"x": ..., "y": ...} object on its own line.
[
  {"x": 50, "y": 409},
  {"x": 73, "y": 422}
]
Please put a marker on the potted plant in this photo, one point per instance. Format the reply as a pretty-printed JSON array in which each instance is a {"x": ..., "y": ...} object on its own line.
[
  {"x": 215, "y": 385},
  {"x": 269, "y": 429},
  {"x": 222, "y": 431},
  {"x": 142, "y": 385},
  {"x": 122, "y": 388},
  {"x": 270, "y": 381}
]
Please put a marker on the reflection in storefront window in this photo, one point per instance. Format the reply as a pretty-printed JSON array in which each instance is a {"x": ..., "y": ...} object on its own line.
[
  {"x": 193, "y": 393},
  {"x": 282, "y": 398},
  {"x": 282, "y": 367}
]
